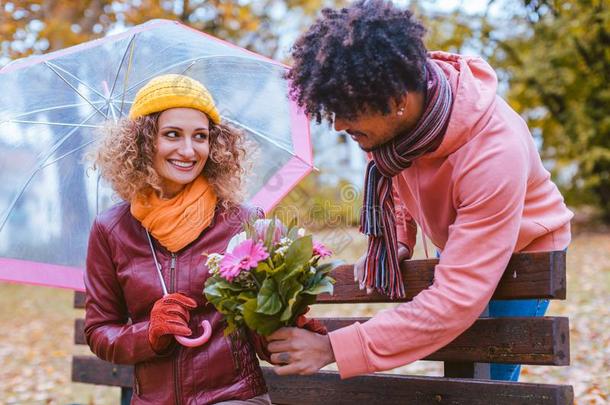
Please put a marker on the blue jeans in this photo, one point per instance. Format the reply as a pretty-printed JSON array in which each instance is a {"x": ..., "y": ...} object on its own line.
[{"x": 506, "y": 308}]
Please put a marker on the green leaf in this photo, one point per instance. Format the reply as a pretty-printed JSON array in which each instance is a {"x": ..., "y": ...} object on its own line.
[
  {"x": 291, "y": 292},
  {"x": 299, "y": 252},
  {"x": 261, "y": 323},
  {"x": 322, "y": 271},
  {"x": 268, "y": 301},
  {"x": 326, "y": 268},
  {"x": 212, "y": 290},
  {"x": 324, "y": 286},
  {"x": 263, "y": 269},
  {"x": 246, "y": 295},
  {"x": 300, "y": 306},
  {"x": 295, "y": 272},
  {"x": 227, "y": 306},
  {"x": 278, "y": 268},
  {"x": 224, "y": 284}
]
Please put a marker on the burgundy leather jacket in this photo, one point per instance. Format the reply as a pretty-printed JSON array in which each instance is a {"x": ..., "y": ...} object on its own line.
[{"x": 122, "y": 286}]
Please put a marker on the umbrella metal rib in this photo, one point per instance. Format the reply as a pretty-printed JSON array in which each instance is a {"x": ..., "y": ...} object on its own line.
[
  {"x": 112, "y": 110},
  {"x": 47, "y": 109},
  {"x": 52, "y": 67},
  {"x": 64, "y": 139},
  {"x": 265, "y": 137},
  {"x": 126, "y": 72},
  {"x": 68, "y": 153},
  {"x": 59, "y": 68},
  {"x": 116, "y": 76},
  {"x": 61, "y": 124}
]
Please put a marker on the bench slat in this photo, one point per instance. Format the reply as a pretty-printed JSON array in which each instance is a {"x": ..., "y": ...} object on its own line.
[
  {"x": 91, "y": 370},
  {"x": 528, "y": 275},
  {"x": 326, "y": 387},
  {"x": 385, "y": 389},
  {"x": 543, "y": 341}
]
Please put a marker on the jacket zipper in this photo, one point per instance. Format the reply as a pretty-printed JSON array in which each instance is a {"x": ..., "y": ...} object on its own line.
[{"x": 172, "y": 269}]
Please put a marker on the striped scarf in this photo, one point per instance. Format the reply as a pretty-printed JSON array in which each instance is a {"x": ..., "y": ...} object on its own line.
[{"x": 382, "y": 270}]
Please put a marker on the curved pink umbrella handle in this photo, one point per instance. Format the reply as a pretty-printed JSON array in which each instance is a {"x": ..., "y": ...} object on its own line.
[{"x": 194, "y": 342}]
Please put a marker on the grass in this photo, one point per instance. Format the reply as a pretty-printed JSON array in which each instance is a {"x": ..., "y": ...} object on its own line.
[{"x": 36, "y": 337}]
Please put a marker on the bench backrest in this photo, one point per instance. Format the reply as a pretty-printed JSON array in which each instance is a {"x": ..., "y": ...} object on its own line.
[{"x": 541, "y": 341}]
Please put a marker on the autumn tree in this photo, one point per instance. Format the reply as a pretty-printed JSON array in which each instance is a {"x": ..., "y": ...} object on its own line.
[
  {"x": 553, "y": 55},
  {"x": 560, "y": 74},
  {"x": 40, "y": 26}
]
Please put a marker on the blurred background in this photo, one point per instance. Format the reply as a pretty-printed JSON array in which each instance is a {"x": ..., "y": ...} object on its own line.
[{"x": 553, "y": 62}]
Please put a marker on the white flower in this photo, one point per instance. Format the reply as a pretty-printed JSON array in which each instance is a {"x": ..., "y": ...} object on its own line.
[
  {"x": 213, "y": 262},
  {"x": 282, "y": 250},
  {"x": 283, "y": 246},
  {"x": 236, "y": 240},
  {"x": 301, "y": 232}
]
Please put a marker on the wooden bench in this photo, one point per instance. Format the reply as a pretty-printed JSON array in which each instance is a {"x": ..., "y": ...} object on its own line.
[{"x": 540, "y": 341}]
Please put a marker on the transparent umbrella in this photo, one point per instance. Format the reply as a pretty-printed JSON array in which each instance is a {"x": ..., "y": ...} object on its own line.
[{"x": 51, "y": 109}]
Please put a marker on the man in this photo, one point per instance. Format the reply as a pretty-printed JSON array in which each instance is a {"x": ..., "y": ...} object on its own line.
[{"x": 447, "y": 153}]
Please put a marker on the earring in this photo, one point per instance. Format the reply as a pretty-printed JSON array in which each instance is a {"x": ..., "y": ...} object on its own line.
[{"x": 400, "y": 111}]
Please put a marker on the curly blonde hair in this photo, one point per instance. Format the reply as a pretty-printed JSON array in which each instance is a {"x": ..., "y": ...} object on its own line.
[{"x": 125, "y": 158}]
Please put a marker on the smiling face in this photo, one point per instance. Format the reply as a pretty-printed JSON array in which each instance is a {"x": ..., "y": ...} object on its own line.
[
  {"x": 182, "y": 148},
  {"x": 373, "y": 129},
  {"x": 368, "y": 130}
]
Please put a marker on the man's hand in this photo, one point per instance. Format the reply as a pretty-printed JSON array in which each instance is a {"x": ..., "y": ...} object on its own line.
[
  {"x": 404, "y": 253},
  {"x": 299, "y": 351}
]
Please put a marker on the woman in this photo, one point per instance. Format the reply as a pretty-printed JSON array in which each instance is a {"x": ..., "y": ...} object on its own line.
[{"x": 179, "y": 170}]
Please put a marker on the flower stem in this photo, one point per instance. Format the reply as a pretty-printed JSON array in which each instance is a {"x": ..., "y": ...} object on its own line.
[{"x": 255, "y": 280}]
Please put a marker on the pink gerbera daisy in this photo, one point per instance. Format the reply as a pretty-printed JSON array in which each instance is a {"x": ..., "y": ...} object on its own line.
[
  {"x": 245, "y": 256},
  {"x": 320, "y": 250}
]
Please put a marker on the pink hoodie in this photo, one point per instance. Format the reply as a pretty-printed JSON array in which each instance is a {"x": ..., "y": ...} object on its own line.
[{"x": 480, "y": 197}]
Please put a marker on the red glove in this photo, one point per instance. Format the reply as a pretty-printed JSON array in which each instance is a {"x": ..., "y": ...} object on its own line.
[
  {"x": 312, "y": 324},
  {"x": 169, "y": 316}
]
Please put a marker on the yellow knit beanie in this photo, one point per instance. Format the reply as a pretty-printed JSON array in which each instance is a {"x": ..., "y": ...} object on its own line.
[{"x": 173, "y": 91}]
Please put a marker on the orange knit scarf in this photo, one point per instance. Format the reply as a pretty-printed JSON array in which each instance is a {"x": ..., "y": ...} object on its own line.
[{"x": 178, "y": 221}]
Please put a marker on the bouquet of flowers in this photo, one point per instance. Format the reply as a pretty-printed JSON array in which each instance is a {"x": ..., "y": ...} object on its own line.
[{"x": 268, "y": 276}]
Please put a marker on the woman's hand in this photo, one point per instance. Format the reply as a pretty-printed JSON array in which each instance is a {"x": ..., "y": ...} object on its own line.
[{"x": 169, "y": 316}]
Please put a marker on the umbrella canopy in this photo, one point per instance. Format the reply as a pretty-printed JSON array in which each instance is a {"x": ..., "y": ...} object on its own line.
[{"x": 53, "y": 106}]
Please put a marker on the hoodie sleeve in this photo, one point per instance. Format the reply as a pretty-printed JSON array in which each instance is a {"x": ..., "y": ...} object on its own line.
[
  {"x": 107, "y": 329},
  {"x": 489, "y": 199},
  {"x": 406, "y": 227}
]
